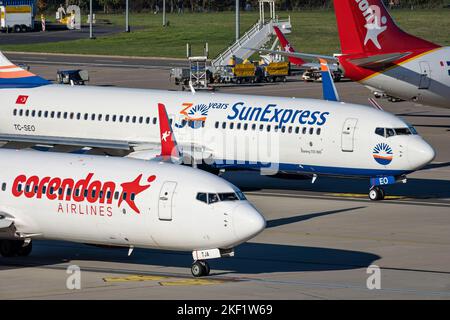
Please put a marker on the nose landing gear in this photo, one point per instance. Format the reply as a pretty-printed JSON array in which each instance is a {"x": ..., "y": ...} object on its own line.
[
  {"x": 200, "y": 268},
  {"x": 376, "y": 193}
]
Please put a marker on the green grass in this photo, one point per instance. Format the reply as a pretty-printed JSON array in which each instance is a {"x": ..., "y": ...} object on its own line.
[{"x": 313, "y": 31}]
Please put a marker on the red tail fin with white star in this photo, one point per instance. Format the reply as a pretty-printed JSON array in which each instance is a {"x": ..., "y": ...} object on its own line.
[
  {"x": 168, "y": 143},
  {"x": 366, "y": 27}
]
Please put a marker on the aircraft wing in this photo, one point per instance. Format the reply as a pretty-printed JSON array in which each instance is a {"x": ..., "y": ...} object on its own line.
[
  {"x": 25, "y": 141},
  {"x": 379, "y": 61},
  {"x": 329, "y": 89},
  {"x": 305, "y": 56}
]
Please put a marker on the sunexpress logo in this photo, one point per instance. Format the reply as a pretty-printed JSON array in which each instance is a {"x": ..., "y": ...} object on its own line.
[{"x": 274, "y": 114}]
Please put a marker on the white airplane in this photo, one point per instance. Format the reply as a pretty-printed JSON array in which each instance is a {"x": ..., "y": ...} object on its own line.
[
  {"x": 226, "y": 131},
  {"x": 389, "y": 61},
  {"x": 121, "y": 202}
]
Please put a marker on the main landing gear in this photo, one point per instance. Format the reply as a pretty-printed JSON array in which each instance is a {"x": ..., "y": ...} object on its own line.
[
  {"x": 200, "y": 268},
  {"x": 376, "y": 193},
  {"x": 13, "y": 248}
]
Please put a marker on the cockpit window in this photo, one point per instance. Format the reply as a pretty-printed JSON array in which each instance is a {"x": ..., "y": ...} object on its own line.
[
  {"x": 229, "y": 196},
  {"x": 213, "y": 198},
  {"x": 389, "y": 132},
  {"x": 203, "y": 197},
  {"x": 379, "y": 131},
  {"x": 210, "y": 198}
]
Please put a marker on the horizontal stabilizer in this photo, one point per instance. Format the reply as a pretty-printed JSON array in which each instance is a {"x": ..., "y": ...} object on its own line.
[
  {"x": 306, "y": 56},
  {"x": 379, "y": 61},
  {"x": 13, "y": 76}
]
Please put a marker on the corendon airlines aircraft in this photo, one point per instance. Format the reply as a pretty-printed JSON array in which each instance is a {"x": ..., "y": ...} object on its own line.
[
  {"x": 287, "y": 135},
  {"x": 121, "y": 202},
  {"x": 378, "y": 54}
]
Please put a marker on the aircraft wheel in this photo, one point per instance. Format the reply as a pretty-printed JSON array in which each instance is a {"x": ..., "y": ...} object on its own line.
[
  {"x": 25, "y": 251},
  {"x": 10, "y": 248},
  {"x": 198, "y": 269},
  {"x": 376, "y": 193},
  {"x": 207, "y": 267}
]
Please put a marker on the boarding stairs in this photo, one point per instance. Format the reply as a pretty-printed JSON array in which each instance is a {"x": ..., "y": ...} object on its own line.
[{"x": 256, "y": 38}]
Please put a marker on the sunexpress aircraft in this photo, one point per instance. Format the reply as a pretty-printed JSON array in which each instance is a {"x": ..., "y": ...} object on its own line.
[{"x": 226, "y": 131}]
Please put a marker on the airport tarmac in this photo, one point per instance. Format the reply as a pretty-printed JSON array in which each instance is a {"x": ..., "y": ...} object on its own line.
[{"x": 319, "y": 241}]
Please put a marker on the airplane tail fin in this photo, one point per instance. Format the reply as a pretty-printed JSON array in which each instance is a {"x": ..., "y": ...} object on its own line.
[
  {"x": 13, "y": 76},
  {"x": 365, "y": 26},
  {"x": 287, "y": 47},
  {"x": 169, "y": 147}
]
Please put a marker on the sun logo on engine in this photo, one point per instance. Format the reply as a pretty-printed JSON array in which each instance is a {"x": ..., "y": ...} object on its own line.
[{"x": 382, "y": 153}]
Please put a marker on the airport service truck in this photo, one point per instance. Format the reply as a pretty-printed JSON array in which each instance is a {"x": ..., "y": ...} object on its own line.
[{"x": 17, "y": 18}]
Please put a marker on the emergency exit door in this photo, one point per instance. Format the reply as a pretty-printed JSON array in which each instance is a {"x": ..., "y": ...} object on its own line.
[
  {"x": 424, "y": 75},
  {"x": 348, "y": 134},
  {"x": 166, "y": 200}
]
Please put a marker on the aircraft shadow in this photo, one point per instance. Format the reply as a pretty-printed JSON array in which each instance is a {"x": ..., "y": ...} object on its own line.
[
  {"x": 250, "y": 258},
  {"x": 414, "y": 188}
]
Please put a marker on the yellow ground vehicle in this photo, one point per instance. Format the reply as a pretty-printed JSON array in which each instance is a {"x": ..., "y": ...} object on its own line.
[
  {"x": 245, "y": 72},
  {"x": 275, "y": 71}
]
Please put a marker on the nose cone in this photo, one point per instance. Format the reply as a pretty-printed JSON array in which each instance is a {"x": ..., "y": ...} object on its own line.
[
  {"x": 420, "y": 153},
  {"x": 247, "y": 222}
]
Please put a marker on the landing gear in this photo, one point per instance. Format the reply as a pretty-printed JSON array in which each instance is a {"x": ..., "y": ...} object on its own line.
[
  {"x": 200, "y": 268},
  {"x": 376, "y": 193},
  {"x": 12, "y": 248}
]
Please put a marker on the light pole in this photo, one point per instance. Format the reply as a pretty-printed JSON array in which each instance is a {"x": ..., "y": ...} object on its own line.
[
  {"x": 237, "y": 21},
  {"x": 127, "y": 25},
  {"x": 91, "y": 33},
  {"x": 164, "y": 13}
]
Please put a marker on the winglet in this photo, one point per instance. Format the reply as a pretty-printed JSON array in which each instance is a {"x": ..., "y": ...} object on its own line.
[
  {"x": 169, "y": 147},
  {"x": 329, "y": 89}
]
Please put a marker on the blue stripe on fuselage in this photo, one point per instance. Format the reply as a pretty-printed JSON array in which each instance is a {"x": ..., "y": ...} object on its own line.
[
  {"x": 26, "y": 82},
  {"x": 296, "y": 168}
]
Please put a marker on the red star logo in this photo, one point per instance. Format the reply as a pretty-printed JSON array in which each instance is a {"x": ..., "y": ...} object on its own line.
[{"x": 134, "y": 187}]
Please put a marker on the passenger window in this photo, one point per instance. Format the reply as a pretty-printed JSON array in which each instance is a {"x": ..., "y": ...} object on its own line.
[
  {"x": 45, "y": 114},
  {"x": 238, "y": 126},
  {"x": 201, "y": 196},
  {"x": 217, "y": 125},
  {"x": 72, "y": 115},
  {"x": 154, "y": 120},
  {"x": 318, "y": 131},
  {"x": 3, "y": 186},
  {"x": 276, "y": 129},
  {"x": 290, "y": 130},
  {"x": 65, "y": 115},
  {"x": 99, "y": 118},
  {"x": 120, "y": 118},
  {"x": 231, "y": 125},
  {"x": 127, "y": 119},
  {"x": 311, "y": 130},
  {"x": 14, "y": 112},
  {"x": 33, "y": 113},
  {"x": 27, "y": 113},
  {"x": 268, "y": 128},
  {"x": 86, "y": 116},
  {"x": 93, "y": 116},
  {"x": 141, "y": 119},
  {"x": 261, "y": 127},
  {"x": 107, "y": 118},
  {"x": 58, "y": 115},
  {"x": 304, "y": 130},
  {"x": 39, "y": 114},
  {"x": 254, "y": 126},
  {"x": 134, "y": 119},
  {"x": 20, "y": 112},
  {"x": 245, "y": 126},
  {"x": 283, "y": 129},
  {"x": 78, "y": 116},
  {"x": 224, "y": 125}
]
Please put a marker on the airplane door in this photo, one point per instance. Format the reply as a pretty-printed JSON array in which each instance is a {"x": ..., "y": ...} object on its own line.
[
  {"x": 425, "y": 75},
  {"x": 348, "y": 134},
  {"x": 165, "y": 200}
]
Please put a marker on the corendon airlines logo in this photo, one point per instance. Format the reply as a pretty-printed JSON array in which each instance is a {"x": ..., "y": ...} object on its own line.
[
  {"x": 375, "y": 23},
  {"x": 85, "y": 196}
]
